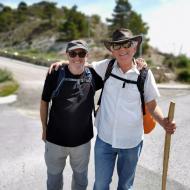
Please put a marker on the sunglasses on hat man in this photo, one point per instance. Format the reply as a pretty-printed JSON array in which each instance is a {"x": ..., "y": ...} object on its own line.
[{"x": 126, "y": 45}]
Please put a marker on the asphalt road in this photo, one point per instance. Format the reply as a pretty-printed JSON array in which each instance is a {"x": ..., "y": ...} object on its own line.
[{"x": 22, "y": 164}]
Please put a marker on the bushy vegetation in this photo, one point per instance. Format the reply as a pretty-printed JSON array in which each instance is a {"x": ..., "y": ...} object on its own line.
[
  {"x": 184, "y": 75},
  {"x": 180, "y": 65},
  {"x": 5, "y": 75},
  {"x": 8, "y": 88},
  {"x": 7, "y": 84}
]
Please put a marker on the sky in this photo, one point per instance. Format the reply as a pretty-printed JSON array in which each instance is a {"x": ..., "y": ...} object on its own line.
[{"x": 168, "y": 20}]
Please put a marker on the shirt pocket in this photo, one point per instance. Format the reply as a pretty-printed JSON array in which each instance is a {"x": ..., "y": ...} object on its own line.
[
  {"x": 131, "y": 93},
  {"x": 112, "y": 85}
]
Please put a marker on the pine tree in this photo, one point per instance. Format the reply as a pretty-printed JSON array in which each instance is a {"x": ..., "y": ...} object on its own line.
[
  {"x": 21, "y": 13},
  {"x": 49, "y": 11},
  {"x": 6, "y": 19},
  {"x": 121, "y": 15},
  {"x": 75, "y": 25}
]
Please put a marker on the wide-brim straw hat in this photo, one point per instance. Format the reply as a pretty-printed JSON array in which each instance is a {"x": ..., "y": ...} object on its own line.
[{"x": 122, "y": 35}]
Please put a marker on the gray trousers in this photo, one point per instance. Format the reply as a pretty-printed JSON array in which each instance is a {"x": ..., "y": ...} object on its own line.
[{"x": 55, "y": 158}]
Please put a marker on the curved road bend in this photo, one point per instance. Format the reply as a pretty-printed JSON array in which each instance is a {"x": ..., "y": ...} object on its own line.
[{"x": 21, "y": 160}]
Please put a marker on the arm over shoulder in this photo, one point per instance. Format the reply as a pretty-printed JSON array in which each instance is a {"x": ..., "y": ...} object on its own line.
[
  {"x": 100, "y": 67},
  {"x": 97, "y": 79}
]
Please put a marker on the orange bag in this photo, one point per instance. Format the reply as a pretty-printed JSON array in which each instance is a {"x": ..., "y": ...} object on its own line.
[{"x": 148, "y": 122}]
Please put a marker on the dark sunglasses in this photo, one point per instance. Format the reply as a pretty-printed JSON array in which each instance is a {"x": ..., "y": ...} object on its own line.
[
  {"x": 73, "y": 54},
  {"x": 117, "y": 46}
]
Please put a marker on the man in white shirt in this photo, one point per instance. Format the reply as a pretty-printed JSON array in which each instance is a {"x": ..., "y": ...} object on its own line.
[{"x": 119, "y": 120}]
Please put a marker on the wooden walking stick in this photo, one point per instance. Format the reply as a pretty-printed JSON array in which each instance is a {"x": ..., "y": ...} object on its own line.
[{"x": 167, "y": 147}]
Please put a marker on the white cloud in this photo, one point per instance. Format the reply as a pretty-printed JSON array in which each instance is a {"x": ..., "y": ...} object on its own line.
[{"x": 169, "y": 29}]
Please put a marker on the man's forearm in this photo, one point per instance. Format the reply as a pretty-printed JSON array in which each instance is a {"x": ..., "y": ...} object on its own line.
[
  {"x": 156, "y": 112},
  {"x": 44, "y": 114}
]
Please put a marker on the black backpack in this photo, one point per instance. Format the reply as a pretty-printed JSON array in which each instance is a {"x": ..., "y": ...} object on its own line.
[
  {"x": 140, "y": 82},
  {"x": 61, "y": 78}
]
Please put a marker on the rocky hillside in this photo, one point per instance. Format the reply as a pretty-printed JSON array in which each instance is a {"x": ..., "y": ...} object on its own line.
[{"x": 44, "y": 26}]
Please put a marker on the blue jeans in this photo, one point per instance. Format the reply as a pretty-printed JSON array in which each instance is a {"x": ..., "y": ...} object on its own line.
[{"x": 105, "y": 157}]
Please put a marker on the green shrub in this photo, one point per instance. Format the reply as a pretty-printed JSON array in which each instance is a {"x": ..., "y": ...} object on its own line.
[
  {"x": 184, "y": 76},
  {"x": 5, "y": 75},
  {"x": 170, "y": 62},
  {"x": 8, "y": 88},
  {"x": 182, "y": 62}
]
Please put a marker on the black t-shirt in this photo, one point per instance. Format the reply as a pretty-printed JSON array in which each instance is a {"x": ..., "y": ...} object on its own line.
[{"x": 70, "y": 118}]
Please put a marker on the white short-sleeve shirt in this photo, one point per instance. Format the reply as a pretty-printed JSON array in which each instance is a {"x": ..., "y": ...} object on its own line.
[{"x": 119, "y": 120}]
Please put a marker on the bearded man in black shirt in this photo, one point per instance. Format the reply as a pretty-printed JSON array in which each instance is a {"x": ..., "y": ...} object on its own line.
[{"x": 67, "y": 126}]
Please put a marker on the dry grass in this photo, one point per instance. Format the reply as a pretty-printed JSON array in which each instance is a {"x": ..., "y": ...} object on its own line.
[{"x": 7, "y": 88}]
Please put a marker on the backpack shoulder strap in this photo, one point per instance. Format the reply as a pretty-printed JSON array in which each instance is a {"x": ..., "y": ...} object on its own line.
[
  {"x": 140, "y": 84},
  {"x": 88, "y": 74},
  {"x": 106, "y": 76},
  {"x": 60, "y": 80},
  {"x": 109, "y": 69},
  {"x": 89, "y": 78}
]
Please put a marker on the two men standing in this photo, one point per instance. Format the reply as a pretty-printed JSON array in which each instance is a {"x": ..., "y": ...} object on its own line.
[{"x": 119, "y": 119}]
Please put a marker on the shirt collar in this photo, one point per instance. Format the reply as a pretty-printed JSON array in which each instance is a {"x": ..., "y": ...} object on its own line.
[{"x": 133, "y": 69}]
